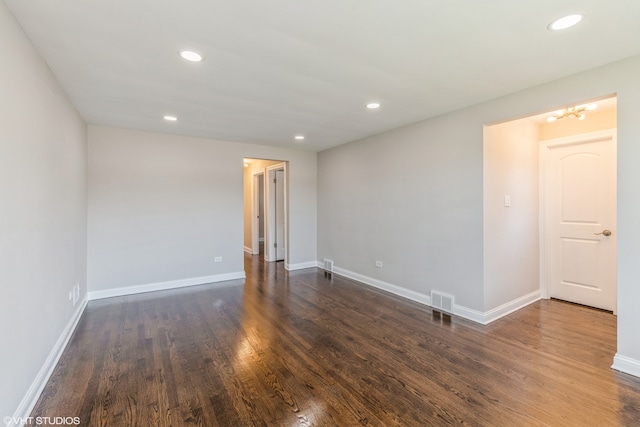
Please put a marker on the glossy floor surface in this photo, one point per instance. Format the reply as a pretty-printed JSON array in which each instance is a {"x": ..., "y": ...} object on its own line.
[{"x": 305, "y": 349}]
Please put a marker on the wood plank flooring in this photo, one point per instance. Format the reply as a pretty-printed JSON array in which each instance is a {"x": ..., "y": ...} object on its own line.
[{"x": 305, "y": 349}]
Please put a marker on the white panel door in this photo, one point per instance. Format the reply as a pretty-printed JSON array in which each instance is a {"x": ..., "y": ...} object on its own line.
[
  {"x": 580, "y": 219},
  {"x": 280, "y": 218}
]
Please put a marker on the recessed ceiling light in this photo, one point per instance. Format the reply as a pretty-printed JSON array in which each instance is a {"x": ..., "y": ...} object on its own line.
[
  {"x": 170, "y": 118},
  {"x": 565, "y": 22},
  {"x": 190, "y": 55},
  {"x": 299, "y": 137},
  {"x": 373, "y": 105}
]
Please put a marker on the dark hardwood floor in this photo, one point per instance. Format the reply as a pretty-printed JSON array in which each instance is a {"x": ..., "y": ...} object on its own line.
[{"x": 304, "y": 349}]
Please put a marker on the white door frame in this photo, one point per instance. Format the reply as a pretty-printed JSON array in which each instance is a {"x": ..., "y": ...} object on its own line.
[
  {"x": 573, "y": 139},
  {"x": 269, "y": 209},
  {"x": 255, "y": 210}
]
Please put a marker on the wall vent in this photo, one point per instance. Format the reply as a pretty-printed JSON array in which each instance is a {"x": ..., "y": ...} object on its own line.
[
  {"x": 442, "y": 302},
  {"x": 328, "y": 265}
]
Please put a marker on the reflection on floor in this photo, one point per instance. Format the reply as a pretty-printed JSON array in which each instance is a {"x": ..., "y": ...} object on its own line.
[{"x": 301, "y": 348}]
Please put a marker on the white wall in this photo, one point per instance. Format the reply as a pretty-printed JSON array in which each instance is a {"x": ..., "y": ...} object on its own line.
[
  {"x": 628, "y": 210},
  {"x": 42, "y": 214},
  {"x": 511, "y": 234},
  {"x": 162, "y": 207},
  {"x": 413, "y": 198}
]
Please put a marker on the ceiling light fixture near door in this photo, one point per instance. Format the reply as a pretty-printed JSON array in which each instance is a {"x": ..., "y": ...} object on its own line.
[
  {"x": 191, "y": 55},
  {"x": 170, "y": 118},
  {"x": 565, "y": 22},
  {"x": 373, "y": 105},
  {"x": 299, "y": 137},
  {"x": 576, "y": 112}
]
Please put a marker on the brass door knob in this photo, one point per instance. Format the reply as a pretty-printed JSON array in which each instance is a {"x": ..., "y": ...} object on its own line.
[{"x": 605, "y": 232}]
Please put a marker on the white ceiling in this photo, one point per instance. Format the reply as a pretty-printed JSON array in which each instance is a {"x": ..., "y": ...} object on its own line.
[{"x": 277, "y": 68}]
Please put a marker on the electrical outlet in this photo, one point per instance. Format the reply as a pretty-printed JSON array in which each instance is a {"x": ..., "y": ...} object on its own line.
[
  {"x": 379, "y": 264},
  {"x": 74, "y": 294},
  {"x": 218, "y": 259}
]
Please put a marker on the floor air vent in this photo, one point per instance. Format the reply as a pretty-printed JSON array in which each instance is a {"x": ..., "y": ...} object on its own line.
[
  {"x": 328, "y": 265},
  {"x": 442, "y": 302}
]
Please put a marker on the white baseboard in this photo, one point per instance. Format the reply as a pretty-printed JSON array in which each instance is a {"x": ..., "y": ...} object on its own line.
[
  {"x": 300, "y": 266},
  {"x": 391, "y": 288},
  {"x": 469, "y": 314},
  {"x": 161, "y": 286},
  {"x": 37, "y": 386},
  {"x": 458, "y": 310},
  {"x": 508, "y": 308},
  {"x": 627, "y": 365}
]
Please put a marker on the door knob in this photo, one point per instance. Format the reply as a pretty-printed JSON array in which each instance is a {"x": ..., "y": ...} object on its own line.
[{"x": 605, "y": 232}]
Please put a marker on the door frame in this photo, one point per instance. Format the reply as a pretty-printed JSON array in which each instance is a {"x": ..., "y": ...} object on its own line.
[
  {"x": 544, "y": 145},
  {"x": 255, "y": 210},
  {"x": 269, "y": 211}
]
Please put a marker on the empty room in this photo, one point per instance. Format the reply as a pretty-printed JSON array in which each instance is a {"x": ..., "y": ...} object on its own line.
[{"x": 329, "y": 213}]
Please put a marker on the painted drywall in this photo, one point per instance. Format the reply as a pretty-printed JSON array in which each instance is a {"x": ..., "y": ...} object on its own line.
[
  {"x": 511, "y": 234},
  {"x": 254, "y": 166},
  {"x": 43, "y": 213},
  {"x": 163, "y": 207},
  {"x": 412, "y": 197},
  {"x": 594, "y": 122}
]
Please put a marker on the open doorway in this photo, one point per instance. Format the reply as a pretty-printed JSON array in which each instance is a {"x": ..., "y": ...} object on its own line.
[
  {"x": 275, "y": 213},
  {"x": 544, "y": 175},
  {"x": 266, "y": 201},
  {"x": 257, "y": 212}
]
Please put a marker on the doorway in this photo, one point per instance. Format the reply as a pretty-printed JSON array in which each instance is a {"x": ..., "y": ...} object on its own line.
[
  {"x": 276, "y": 213},
  {"x": 257, "y": 213},
  {"x": 519, "y": 260},
  {"x": 266, "y": 204}
]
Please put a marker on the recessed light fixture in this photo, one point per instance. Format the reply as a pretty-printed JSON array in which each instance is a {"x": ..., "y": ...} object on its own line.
[
  {"x": 373, "y": 105},
  {"x": 191, "y": 55},
  {"x": 170, "y": 118},
  {"x": 565, "y": 22},
  {"x": 299, "y": 137}
]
